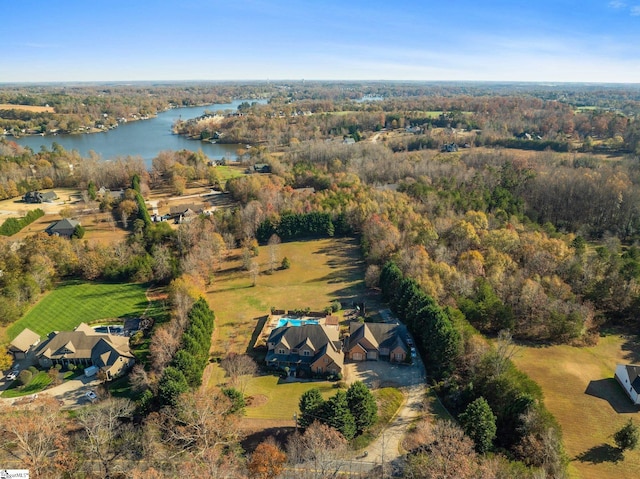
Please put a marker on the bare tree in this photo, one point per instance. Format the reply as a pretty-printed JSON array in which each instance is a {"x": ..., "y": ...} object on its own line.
[
  {"x": 319, "y": 452},
  {"x": 274, "y": 248},
  {"x": 31, "y": 435},
  {"x": 240, "y": 368},
  {"x": 108, "y": 436},
  {"x": 201, "y": 423}
]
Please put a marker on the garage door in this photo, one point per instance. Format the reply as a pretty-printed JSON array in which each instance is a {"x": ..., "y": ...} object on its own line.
[
  {"x": 357, "y": 356},
  {"x": 373, "y": 355}
]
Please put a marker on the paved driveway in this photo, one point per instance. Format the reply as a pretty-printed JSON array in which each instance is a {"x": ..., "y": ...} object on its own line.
[
  {"x": 71, "y": 393},
  {"x": 410, "y": 379}
]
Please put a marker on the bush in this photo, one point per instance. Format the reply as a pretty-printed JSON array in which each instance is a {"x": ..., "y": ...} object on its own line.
[
  {"x": 24, "y": 377},
  {"x": 58, "y": 367},
  {"x": 335, "y": 306},
  {"x": 33, "y": 369},
  {"x": 286, "y": 263}
]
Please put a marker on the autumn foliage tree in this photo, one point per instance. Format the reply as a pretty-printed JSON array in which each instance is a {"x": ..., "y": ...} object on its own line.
[{"x": 267, "y": 461}]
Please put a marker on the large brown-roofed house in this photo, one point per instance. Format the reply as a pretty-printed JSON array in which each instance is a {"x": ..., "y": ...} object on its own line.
[
  {"x": 86, "y": 347},
  {"x": 308, "y": 348},
  {"x": 373, "y": 341},
  {"x": 23, "y": 343}
]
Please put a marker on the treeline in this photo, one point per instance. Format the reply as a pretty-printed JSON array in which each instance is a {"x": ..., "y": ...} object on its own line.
[
  {"x": 291, "y": 226},
  {"x": 185, "y": 369},
  {"x": 521, "y": 424},
  {"x": 11, "y": 226}
]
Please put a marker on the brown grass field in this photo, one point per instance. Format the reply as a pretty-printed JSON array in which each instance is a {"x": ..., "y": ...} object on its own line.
[
  {"x": 33, "y": 108},
  {"x": 581, "y": 392}
]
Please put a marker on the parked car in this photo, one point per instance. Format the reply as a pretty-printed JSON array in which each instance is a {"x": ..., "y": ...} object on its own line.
[
  {"x": 12, "y": 375},
  {"x": 414, "y": 354},
  {"x": 91, "y": 396}
]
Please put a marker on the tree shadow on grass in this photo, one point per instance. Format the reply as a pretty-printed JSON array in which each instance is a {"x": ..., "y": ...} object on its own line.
[
  {"x": 260, "y": 322},
  {"x": 280, "y": 434},
  {"x": 609, "y": 390},
  {"x": 601, "y": 453}
]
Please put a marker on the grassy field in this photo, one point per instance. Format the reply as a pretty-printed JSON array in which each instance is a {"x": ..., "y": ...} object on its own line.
[
  {"x": 321, "y": 271},
  {"x": 32, "y": 108},
  {"x": 75, "y": 302},
  {"x": 582, "y": 394},
  {"x": 274, "y": 399}
]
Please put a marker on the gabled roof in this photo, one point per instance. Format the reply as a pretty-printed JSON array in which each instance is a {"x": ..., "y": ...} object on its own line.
[
  {"x": 315, "y": 336},
  {"x": 634, "y": 376},
  {"x": 64, "y": 226},
  {"x": 25, "y": 340},
  {"x": 85, "y": 343},
  {"x": 379, "y": 335}
]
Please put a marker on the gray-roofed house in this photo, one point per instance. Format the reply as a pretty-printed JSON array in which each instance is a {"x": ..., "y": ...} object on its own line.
[
  {"x": 628, "y": 375},
  {"x": 84, "y": 346},
  {"x": 64, "y": 228},
  {"x": 373, "y": 341},
  {"x": 22, "y": 344},
  {"x": 39, "y": 197},
  {"x": 308, "y": 348}
]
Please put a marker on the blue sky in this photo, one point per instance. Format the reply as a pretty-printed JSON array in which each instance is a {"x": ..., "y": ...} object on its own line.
[{"x": 458, "y": 40}]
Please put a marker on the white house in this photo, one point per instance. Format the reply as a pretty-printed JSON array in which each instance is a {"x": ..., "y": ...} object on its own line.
[{"x": 628, "y": 375}]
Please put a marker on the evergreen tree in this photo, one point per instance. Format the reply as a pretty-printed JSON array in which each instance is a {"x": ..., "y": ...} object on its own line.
[
  {"x": 627, "y": 437},
  {"x": 362, "y": 405},
  {"x": 479, "y": 423},
  {"x": 171, "y": 385},
  {"x": 310, "y": 405},
  {"x": 335, "y": 413}
]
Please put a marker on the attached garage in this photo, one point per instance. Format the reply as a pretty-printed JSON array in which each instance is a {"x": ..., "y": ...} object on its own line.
[
  {"x": 357, "y": 356},
  {"x": 372, "y": 355}
]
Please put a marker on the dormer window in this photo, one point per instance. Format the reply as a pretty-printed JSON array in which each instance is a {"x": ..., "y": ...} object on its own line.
[
  {"x": 281, "y": 351},
  {"x": 306, "y": 352}
]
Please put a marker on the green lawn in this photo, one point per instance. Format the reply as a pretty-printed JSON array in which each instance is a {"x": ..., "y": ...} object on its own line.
[
  {"x": 277, "y": 400},
  {"x": 75, "y": 302},
  {"x": 38, "y": 383},
  {"x": 588, "y": 403}
]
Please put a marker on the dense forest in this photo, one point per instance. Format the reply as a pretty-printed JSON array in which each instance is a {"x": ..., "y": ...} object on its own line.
[{"x": 529, "y": 232}]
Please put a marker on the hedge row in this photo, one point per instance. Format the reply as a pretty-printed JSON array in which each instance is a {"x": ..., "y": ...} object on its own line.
[{"x": 12, "y": 225}]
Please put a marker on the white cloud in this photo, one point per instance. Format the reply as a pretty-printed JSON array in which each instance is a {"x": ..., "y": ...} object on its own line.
[
  {"x": 617, "y": 4},
  {"x": 635, "y": 11}
]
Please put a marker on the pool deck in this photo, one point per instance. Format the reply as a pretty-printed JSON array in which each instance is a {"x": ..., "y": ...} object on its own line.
[{"x": 272, "y": 323}]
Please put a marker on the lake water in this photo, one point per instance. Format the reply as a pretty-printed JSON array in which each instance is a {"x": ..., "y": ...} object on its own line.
[{"x": 144, "y": 138}]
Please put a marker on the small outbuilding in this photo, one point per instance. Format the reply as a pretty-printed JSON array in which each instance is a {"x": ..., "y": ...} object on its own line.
[{"x": 628, "y": 376}]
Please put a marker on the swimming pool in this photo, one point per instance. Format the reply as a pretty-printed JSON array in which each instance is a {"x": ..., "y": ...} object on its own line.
[{"x": 295, "y": 322}]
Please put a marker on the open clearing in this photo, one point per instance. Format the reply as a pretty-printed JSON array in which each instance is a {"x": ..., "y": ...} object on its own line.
[
  {"x": 581, "y": 392},
  {"x": 33, "y": 108},
  {"x": 321, "y": 271},
  {"x": 76, "y": 302}
]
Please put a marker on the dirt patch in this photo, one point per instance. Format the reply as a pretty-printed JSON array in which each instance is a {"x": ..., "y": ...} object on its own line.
[{"x": 257, "y": 400}]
